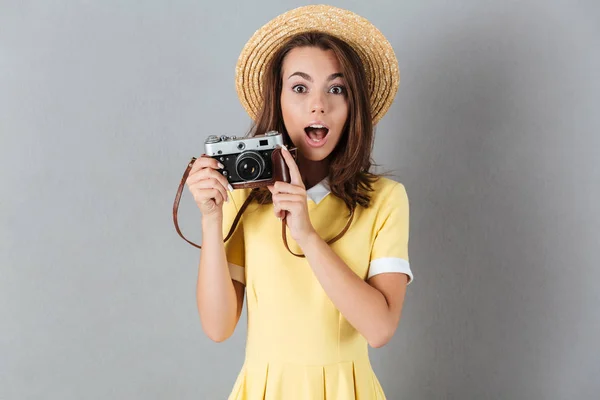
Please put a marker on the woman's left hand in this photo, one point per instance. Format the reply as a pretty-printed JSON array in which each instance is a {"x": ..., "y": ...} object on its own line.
[{"x": 290, "y": 201}]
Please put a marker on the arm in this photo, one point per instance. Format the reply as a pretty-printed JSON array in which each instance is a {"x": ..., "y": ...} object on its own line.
[
  {"x": 219, "y": 299},
  {"x": 372, "y": 307}
]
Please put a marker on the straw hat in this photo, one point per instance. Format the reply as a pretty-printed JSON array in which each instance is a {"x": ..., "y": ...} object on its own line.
[{"x": 376, "y": 53}]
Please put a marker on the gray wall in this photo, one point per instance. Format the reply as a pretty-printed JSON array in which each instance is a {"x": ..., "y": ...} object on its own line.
[{"x": 494, "y": 132}]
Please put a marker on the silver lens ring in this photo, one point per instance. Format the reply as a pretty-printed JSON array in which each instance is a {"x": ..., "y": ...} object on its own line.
[{"x": 252, "y": 155}]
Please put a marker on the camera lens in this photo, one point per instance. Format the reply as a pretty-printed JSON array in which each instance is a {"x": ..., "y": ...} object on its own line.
[{"x": 249, "y": 166}]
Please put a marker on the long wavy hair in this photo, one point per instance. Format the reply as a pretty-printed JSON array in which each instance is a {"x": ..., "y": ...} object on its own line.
[{"x": 349, "y": 174}]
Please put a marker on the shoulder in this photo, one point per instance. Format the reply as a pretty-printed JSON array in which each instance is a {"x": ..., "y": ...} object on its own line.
[{"x": 388, "y": 193}]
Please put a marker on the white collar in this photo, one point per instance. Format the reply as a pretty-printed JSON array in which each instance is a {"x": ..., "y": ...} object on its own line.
[{"x": 319, "y": 191}]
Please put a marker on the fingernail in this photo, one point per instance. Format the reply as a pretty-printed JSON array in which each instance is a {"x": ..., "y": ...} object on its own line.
[
  {"x": 230, "y": 187},
  {"x": 221, "y": 166},
  {"x": 285, "y": 148}
]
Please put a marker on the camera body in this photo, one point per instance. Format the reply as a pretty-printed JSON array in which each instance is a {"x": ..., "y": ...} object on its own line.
[{"x": 250, "y": 162}]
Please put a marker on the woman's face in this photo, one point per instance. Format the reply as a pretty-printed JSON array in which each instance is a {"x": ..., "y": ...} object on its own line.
[{"x": 314, "y": 101}]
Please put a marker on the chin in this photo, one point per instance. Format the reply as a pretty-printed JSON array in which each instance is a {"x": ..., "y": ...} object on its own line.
[{"x": 313, "y": 155}]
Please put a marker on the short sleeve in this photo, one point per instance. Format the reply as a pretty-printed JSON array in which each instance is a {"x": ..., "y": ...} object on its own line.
[
  {"x": 389, "y": 252},
  {"x": 234, "y": 247}
]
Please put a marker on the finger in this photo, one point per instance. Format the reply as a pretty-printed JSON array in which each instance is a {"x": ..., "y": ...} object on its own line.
[
  {"x": 205, "y": 161},
  {"x": 209, "y": 206},
  {"x": 204, "y": 173},
  {"x": 212, "y": 183},
  {"x": 296, "y": 178},
  {"x": 280, "y": 197},
  {"x": 203, "y": 197},
  {"x": 277, "y": 211},
  {"x": 207, "y": 173},
  {"x": 290, "y": 206},
  {"x": 283, "y": 187}
]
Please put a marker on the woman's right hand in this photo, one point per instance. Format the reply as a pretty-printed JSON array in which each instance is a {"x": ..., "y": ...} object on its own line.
[{"x": 207, "y": 185}]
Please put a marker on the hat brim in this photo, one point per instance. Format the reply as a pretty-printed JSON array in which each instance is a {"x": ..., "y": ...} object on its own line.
[{"x": 375, "y": 51}]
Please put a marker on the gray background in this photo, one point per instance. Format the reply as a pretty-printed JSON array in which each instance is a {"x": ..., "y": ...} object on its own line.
[{"x": 494, "y": 133}]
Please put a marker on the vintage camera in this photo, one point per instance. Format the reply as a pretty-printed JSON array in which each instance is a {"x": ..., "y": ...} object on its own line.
[{"x": 250, "y": 162}]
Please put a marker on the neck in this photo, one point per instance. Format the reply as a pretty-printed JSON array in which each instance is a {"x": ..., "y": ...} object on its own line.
[{"x": 312, "y": 172}]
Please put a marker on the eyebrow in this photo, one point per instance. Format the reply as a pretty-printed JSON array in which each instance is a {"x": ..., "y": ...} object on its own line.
[{"x": 308, "y": 77}]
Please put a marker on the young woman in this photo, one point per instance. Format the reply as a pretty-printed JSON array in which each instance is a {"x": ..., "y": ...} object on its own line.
[{"x": 322, "y": 77}]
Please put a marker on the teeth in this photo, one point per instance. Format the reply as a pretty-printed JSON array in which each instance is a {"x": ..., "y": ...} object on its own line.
[{"x": 317, "y": 126}]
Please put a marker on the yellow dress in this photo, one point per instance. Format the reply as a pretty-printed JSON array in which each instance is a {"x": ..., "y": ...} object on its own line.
[{"x": 299, "y": 346}]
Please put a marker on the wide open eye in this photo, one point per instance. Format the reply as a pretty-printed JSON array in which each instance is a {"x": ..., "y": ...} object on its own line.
[
  {"x": 337, "y": 89},
  {"x": 299, "y": 89}
]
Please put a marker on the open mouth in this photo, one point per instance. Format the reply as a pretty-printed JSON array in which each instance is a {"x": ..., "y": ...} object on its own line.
[{"x": 316, "y": 132}]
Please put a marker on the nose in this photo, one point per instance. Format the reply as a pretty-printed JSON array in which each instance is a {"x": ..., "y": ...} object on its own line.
[{"x": 317, "y": 104}]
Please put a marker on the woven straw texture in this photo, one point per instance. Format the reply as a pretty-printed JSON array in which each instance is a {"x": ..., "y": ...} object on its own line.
[{"x": 373, "y": 48}]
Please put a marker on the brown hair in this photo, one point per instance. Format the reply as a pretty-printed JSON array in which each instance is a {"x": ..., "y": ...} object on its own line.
[{"x": 349, "y": 175}]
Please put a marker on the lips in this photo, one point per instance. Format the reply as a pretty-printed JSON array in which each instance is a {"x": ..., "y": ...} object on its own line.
[{"x": 316, "y": 131}]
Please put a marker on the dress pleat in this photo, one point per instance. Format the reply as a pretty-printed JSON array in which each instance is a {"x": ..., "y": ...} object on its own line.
[{"x": 339, "y": 381}]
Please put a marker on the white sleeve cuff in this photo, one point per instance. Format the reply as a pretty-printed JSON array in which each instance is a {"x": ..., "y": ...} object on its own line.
[
  {"x": 237, "y": 273},
  {"x": 390, "y": 264}
]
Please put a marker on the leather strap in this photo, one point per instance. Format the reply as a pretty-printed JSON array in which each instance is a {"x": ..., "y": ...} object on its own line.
[
  {"x": 239, "y": 215},
  {"x": 178, "y": 198},
  {"x": 335, "y": 239}
]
